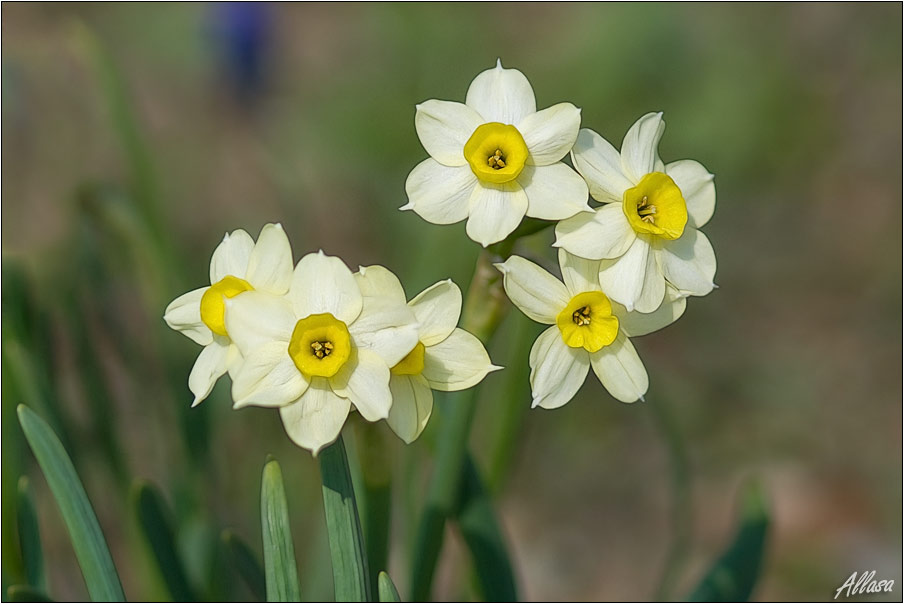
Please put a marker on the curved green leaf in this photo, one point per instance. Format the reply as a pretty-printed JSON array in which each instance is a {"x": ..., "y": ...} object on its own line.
[
  {"x": 154, "y": 519},
  {"x": 84, "y": 531},
  {"x": 481, "y": 532},
  {"x": 387, "y": 589},
  {"x": 280, "y": 570},
  {"x": 733, "y": 576},
  {"x": 343, "y": 526},
  {"x": 29, "y": 535},
  {"x": 245, "y": 561}
]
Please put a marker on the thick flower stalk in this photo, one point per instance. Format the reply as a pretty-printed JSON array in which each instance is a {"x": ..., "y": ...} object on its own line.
[
  {"x": 495, "y": 159},
  {"x": 238, "y": 265},
  {"x": 588, "y": 330},
  {"x": 445, "y": 358},
  {"x": 646, "y": 233},
  {"x": 320, "y": 349}
]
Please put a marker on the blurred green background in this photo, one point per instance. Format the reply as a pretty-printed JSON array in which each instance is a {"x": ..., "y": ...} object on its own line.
[{"x": 134, "y": 136}]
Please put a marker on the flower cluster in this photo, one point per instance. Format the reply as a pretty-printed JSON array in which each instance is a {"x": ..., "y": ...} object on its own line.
[
  {"x": 627, "y": 265},
  {"x": 317, "y": 341}
]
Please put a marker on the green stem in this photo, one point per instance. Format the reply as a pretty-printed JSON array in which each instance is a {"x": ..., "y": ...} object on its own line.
[
  {"x": 681, "y": 517},
  {"x": 347, "y": 550},
  {"x": 484, "y": 310},
  {"x": 375, "y": 508}
]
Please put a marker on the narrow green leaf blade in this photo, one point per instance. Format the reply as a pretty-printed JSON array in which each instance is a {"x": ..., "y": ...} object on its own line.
[
  {"x": 154, "y": 520},
  {"x": 280, "y": 570},
  {"x": 388, "y": 591},
  {"x": 481, "y": 532},
  {"x": 25, "y": 593},
  {"x": 84, "y": 531},
  {"x": 245, "y": 561},
  {"x": 29, "y": 535},
  {"x": 734, "y": 575},
  {"x": 344, "y": 526}
]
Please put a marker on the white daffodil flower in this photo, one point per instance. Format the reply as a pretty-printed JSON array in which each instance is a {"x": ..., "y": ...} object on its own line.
[
  {"x": 445, "y": 358},
  {"x": 495, "y": 158},
  {"x": 238, "y": 265},
  {"x": 647, "y": 233},
  {"x": 588, "y": 330},
  {"x": 318, "y": 350}
]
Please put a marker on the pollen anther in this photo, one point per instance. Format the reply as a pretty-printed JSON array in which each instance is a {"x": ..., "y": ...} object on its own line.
[{"x": 581, "y": 316}]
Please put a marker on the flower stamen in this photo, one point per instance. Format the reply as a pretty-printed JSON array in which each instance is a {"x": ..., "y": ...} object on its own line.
[
  {"x": 581, "y": 316},
  {"x": 497, "y": 160},
  {"x": 322, "y": 349},
  {"x": 646, "y": 210}
]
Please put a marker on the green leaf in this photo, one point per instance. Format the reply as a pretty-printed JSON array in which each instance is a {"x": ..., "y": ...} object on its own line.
[
  {"x": 481, "y": 532},
  {"x": 29, "y": 535},
  {"x": 25, "y": 593},
  {"x": 245, "y": 561},
  {"x": 280, "y": 570},
  {"x": 154, "y": 519},
  {"x": 84, "y": 531},
  {"x": 733, "y": 576},
  {"x": 387, "y": 589},
  {"x": 343, "y": 526}
]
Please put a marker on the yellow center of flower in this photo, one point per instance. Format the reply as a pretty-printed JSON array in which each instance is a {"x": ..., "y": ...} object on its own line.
[
  {"x": 213, "y": 302},
  {"x": 587, "y": 322},
  {"x": 497, "y": 152},
  {"x": 320, "y": 345},
  {"x": 656, "y": 206},
  {"x": 412, "y": 364}
]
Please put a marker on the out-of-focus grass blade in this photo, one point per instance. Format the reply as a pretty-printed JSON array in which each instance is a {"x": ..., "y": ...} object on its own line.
[
  {"x": 279, "y": 553},
  {"x": 246, "y": 563},
  {"x": 388, "y": 591},
  {"x": 733, "y": 576},
  {"x": 84, "y": 531},
  {"x": 25, "y": 593},
  {"x": 154, "y": 519},
  {"x": 481, "y": 532},
  {"x": 29, "y": 536},
  {"x": 344, "y": 527}
]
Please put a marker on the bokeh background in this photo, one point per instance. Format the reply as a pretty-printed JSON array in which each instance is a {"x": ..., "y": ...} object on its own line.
[{"x": 134, "y": 136}]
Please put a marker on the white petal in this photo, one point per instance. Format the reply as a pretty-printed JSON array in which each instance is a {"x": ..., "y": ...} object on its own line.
[
  {"x": 689, "y": 263},
  {"x": 437, "y": 310},
  {"x": 386, "y": 327},
  {"x": 364, "y": 379},
  {"x": 580, "y": 275},
  {"x": 495, "y": 211},
  {"x": 184, "y": 315},
  {"x": 412, "y": 404},
  {"x": 622, "y": 278},
  {"x": 270, "y": 264},
  {"x": 557, "y": 371},
  {"x": 603, "y": 234},
  {"x": 600, "y": 165},
  {"x": 620, "y": 370},
  {"x": 208, "y": 368},
  {"x": 268, "y": 378},
  {"x": 315, "y": 420},
  {"x": 639, "y": 324},
  {"x": 438, "y": 193},
  {"x": 458, "y": 362},
  {"x": 501, "y": 95},
  {"x": 640, "y": 149},
  {"x": 550, "y": 133},
  {"x": 231, "y": 256},
  {"x": 532, "y": 289},
  {"x": 378, "y": 281},
  {"x": 697, "y": 188},
  {"x": 444, "y": 127},
  {"x": 323, "y": 284},
  {"x": 256, "y": 318},
  {"x": 653, "y": 290},
  {"x": 553, "y": 192}
]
